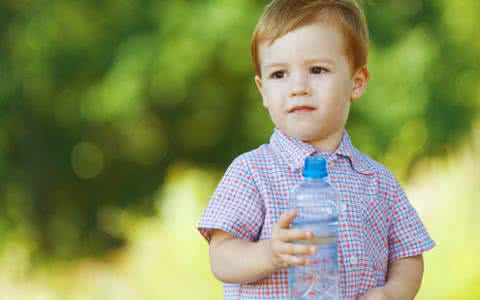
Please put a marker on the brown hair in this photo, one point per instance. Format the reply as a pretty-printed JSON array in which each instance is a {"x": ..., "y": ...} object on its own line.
[{"x": 283, "y": 16}]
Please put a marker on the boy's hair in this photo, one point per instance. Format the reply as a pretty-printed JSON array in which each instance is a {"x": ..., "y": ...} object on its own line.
[{"x": 283, "y": 16}]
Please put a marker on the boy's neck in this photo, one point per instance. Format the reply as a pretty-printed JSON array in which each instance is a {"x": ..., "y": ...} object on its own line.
[{"x": 329, "y": 143}]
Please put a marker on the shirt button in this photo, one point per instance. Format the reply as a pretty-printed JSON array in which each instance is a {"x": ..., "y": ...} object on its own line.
[{"x": 353, "y": 260}]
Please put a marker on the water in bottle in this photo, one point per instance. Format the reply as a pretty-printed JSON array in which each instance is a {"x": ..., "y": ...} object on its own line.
[{"x": 316, "y": 204}]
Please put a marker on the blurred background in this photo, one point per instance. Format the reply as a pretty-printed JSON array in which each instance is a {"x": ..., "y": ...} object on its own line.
[{"x": 118, "y": 118}]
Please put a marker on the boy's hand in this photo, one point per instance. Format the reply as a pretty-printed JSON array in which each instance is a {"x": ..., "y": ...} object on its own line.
[
  {"x": 282, "y": 252},
  {"x": 375, "y": 294}
]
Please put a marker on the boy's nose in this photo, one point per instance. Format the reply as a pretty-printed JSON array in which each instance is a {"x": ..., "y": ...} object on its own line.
[{"x": 299, "y": 86}]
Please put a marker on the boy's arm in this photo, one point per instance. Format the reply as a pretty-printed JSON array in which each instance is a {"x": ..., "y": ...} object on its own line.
[
  {"x": 239, "y": 261},
  {"x": 403, "y": 280},
  {"x": 404, "y": 277}
]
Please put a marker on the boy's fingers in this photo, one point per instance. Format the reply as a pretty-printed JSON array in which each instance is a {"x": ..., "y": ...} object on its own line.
[
  {"x": 291, "y": 260},
  {"x": 286, "y": 219},
  {"x": 295, "y": 234},
  {"x": 294, "y": 249}
]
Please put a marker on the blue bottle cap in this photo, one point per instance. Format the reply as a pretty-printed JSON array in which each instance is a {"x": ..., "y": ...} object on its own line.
[{"x": 315, "y": 167}]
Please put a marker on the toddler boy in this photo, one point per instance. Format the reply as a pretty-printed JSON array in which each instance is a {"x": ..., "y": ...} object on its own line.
[{"x": 311, "y": 64}]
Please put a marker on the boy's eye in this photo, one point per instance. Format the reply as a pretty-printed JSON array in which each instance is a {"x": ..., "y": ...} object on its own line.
[
  {"x": 277, "y": 75},
  {"x": 318, "y": 70}
]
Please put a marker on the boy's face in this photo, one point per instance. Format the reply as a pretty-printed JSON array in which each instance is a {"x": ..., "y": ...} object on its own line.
[{"x": 306, "y": 84}]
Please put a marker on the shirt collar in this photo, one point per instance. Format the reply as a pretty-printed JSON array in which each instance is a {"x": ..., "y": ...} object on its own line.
[{"x": 295, "y": 151}]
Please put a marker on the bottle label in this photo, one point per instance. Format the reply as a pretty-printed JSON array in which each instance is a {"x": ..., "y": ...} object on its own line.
[{"x": 319, "y": 279}]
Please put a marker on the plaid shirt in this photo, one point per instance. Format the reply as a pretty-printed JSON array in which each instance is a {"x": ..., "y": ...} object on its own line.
[{"x": 377, "y": 224}]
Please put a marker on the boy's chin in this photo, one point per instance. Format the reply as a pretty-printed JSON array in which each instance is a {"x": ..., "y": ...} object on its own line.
[{"x": 306, "y": 135}]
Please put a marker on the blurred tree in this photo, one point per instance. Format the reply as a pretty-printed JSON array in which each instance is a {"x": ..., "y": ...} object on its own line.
[{"x": 97, "y": 99}]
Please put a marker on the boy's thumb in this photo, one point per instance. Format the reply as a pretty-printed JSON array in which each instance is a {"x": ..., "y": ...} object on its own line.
[{"x": 287, "y": 218}]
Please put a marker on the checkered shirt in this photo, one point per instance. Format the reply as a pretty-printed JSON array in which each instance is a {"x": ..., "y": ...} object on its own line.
[{"x": 377, "y": 224}]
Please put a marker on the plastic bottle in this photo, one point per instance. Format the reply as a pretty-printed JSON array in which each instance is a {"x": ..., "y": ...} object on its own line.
[{"x": 316, "y": 203}]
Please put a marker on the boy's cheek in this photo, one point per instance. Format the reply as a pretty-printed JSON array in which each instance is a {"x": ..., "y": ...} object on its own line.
[{"x": 275, "y": 94}]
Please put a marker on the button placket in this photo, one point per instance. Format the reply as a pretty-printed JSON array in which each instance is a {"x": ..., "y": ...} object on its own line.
[{"x": 353, "y": 260}]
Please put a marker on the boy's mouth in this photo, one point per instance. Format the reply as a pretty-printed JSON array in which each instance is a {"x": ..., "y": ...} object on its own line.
[{"x": 301, "y": 109}]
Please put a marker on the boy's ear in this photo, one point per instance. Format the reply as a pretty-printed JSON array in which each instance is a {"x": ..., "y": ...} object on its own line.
[
  {"x": 360, "y": 82},
  {"x": 258, "y": 83}
]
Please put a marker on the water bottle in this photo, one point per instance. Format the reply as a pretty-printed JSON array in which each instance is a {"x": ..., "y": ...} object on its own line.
[{"x": 316, "y": 204}]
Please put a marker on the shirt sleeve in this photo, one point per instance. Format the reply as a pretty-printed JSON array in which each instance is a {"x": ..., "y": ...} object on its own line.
[
  {"x": 407, "y": 235},
  {"x": 236, "y": 205}
]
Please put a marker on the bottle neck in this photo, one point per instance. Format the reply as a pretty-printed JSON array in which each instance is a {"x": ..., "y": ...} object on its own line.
[{"x": 314, "y": 178}]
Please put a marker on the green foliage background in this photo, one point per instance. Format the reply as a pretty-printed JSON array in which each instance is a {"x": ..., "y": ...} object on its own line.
[{"x": 100, "y": 101}]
